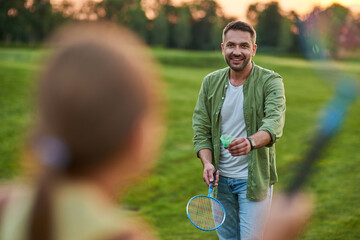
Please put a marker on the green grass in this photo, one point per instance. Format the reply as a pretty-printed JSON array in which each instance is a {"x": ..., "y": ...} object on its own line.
[{"x": 162, "y": 197}]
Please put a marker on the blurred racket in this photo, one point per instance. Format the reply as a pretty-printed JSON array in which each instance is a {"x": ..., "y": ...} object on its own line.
[
  {"x": 206, "y": 212},
  {"x": 334, "y": 112}
]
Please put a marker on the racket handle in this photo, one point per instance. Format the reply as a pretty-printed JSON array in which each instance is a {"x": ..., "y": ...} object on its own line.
[{"x": 211, "y": 185}]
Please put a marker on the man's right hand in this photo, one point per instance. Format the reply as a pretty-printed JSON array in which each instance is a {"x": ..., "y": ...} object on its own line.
[
  {"x": 208, "y": 174},
  {"x": 205, "y": 156}
]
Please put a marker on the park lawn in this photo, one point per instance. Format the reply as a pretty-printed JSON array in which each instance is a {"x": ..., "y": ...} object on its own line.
[{"x": 161, "y": 198}]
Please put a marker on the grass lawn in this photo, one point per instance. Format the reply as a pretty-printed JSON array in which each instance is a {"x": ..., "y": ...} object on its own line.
[{"x": 177, "y": 176}]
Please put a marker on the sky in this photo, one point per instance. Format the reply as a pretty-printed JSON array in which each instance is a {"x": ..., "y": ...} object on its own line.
[{"x": 238, "y": 8}]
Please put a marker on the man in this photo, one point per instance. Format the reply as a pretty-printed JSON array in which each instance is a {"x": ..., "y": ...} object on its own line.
[{"x": 248, "y": 102}]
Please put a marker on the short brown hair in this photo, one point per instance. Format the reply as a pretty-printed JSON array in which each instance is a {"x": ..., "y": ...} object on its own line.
[{"x": 241, "y": 26}]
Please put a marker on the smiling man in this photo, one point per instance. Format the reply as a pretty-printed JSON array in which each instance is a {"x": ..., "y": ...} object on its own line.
[{"x": 246, "y": 101}]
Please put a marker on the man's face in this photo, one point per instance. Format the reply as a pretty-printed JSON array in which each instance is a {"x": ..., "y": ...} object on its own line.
[{"x": 238, "y": 49}]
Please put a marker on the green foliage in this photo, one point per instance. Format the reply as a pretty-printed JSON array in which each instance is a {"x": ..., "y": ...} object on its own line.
[
  {"x": 268, "y": 26},
  {"x": 28, "y": 24},
  {"x": 160, "y": 31},
  {"x": 161, "y": 198},
  {"x": 41, "y": 10},
  {"x": 193, "y": 25},
  {"x": 12, "y": 18},
  {"x": 337, "y": 14},
  {"x": 182, "y": 29},
  {"x": 330, "y": 27},
  {"x": 113, "y": 10},
  {"x": 137, "y": 21},
  {"x": 216, "y": 33},
  {"x": 335, "y": 27},
  {"x": 208, "y": 21},
  {"x": 286, "y": 37},
  {"x": 275, "y": 31},
  {"x": 252, "y": 13}
]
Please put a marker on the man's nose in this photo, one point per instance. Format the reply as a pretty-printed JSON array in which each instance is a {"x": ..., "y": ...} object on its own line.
[{"x": 237, "y": 51}]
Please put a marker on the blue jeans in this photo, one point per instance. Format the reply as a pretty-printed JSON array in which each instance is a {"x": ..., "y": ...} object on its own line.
[{"x": 245, "y": 219}]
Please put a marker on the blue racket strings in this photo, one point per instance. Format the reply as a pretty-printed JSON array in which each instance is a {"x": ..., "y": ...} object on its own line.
[{"x": 206, "y": 213}]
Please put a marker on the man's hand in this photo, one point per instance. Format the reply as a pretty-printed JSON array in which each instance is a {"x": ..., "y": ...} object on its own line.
[
  {"x": 208, "y": 174},
  {"x": 239, "y": 146}
]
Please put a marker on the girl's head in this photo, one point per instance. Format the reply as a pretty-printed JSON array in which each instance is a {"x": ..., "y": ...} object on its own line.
[
  {"x": 98, "y": 113},
  {"x": 97, "y": 101}
]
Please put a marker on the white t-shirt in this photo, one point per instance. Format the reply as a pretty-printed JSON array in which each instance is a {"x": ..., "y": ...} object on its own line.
[{"x": 233, "y": 123}]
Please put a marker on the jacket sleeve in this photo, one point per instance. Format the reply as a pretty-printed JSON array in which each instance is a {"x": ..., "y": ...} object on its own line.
[
  {"x": 201, "y": 121},
  {"x": 274, "y": 109}
]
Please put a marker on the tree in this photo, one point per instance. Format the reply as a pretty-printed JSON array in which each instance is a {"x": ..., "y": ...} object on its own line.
[
  {"x": 113, "y": 10},
  {"x": 41, "y": 19},
  {"x": 182, "y": 29},
  {"x": 207, "y": 15},
  {"x": 287, "y": 37},
  {"x": 137, "y": 20},
  {"x": 12, "y": 20},
  {"x": 337, "y": 16},
  {"x": 269, "y": 25},
  {"x": 329, "y": 28},
  {"x": 160, "y": 31},
  {"x": 216, "y": 33},
  {"x": 253, "y": 12}
]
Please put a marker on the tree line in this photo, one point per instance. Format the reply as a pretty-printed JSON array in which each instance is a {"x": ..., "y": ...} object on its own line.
[
  {"x": 196, "y": 25},
  {"x": 335, "y": 29}
]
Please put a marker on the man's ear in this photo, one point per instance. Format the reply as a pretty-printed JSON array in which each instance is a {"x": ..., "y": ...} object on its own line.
[
  {"x": 254, "y": 49},
  {"x": 222, "y": 48}
]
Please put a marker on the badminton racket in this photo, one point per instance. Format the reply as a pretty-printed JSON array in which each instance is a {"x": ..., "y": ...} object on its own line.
[
  {"x": 205, "y": 212},
  {"x": 334, "y": 112}
]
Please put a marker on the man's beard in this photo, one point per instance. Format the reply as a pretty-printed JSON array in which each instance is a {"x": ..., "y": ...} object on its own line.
[{"x": 237, "y": 68}]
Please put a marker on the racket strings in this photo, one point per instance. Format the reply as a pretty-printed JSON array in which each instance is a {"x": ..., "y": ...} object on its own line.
[{"x": 206, "y": 212}]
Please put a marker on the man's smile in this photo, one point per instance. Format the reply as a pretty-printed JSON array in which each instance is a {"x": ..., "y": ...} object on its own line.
[{"x": 237, "y": 60}]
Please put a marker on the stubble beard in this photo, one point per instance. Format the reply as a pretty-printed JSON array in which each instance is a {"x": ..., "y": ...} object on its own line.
[{"x": 237, "y": 68}]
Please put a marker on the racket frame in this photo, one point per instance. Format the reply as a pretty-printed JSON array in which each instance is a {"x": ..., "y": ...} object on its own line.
[{"x": 207, "y": 196}]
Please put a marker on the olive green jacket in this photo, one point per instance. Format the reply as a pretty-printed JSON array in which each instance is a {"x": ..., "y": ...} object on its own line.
[{"x": 264, "y": 109}]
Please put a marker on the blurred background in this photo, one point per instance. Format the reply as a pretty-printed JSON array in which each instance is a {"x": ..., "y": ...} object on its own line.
[
  {"x": 185, "y": 38},
  {"x": 189, "y": 24}
]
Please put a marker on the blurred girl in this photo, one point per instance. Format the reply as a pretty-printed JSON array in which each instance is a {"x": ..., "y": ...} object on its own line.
[{"x": 97, "y": 128}]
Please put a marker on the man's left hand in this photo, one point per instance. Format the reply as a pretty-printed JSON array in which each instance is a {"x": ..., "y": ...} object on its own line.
[{"x": 239, "y": 146}]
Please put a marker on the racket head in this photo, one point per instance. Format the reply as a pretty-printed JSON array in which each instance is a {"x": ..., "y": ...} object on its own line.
[{"x": 205, "y": 212}]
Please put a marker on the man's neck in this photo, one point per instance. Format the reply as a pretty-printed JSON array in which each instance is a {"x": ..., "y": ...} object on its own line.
[{"x": 237, "y": 78}]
